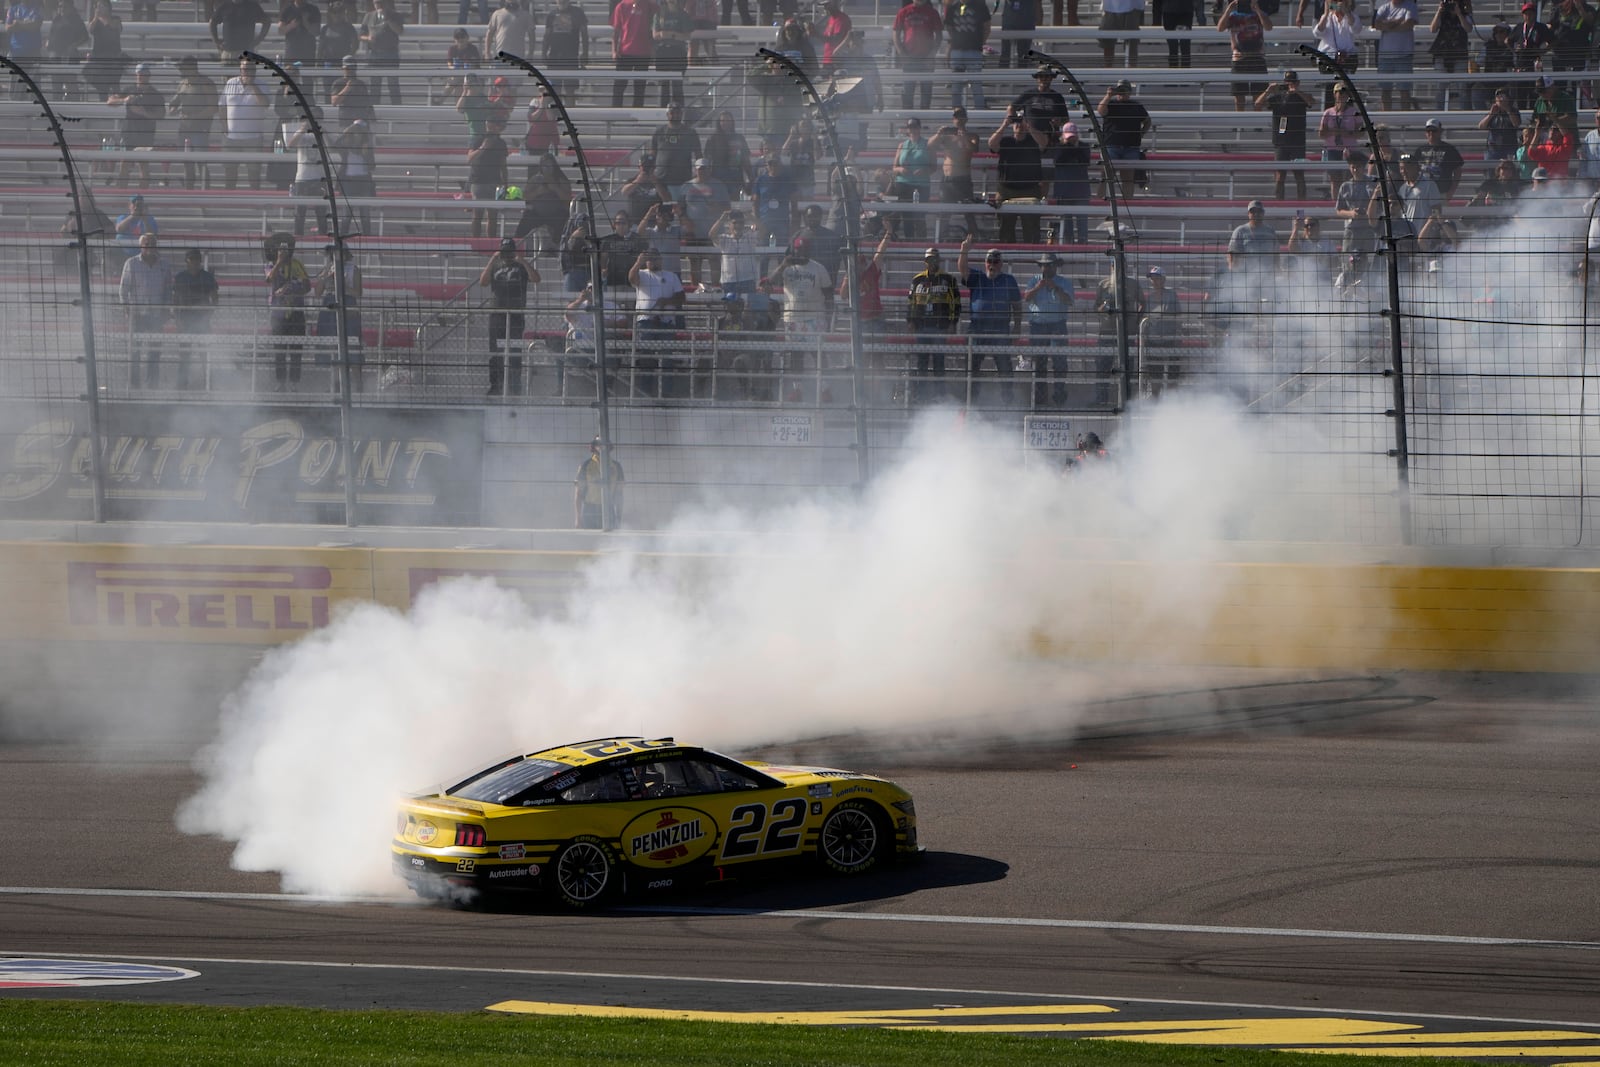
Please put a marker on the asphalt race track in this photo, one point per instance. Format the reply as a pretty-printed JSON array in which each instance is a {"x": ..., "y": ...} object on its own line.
[{"x": 1358, "y": 863}]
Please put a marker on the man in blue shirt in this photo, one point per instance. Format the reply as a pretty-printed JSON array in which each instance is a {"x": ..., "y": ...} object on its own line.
[
  {"x": 1049, "y": 299},
  {"x": 996, "y": 313},
  {"x": 24, "y": 31}
]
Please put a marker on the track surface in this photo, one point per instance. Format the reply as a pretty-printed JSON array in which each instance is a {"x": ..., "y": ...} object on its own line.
[{"x": 1251, "y": 844}]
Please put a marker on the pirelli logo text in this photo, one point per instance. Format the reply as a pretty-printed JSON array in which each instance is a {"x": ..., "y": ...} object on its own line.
[{"x": 193, "y": 596}]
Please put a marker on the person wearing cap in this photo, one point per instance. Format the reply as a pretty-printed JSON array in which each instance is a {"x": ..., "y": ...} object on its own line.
[
  {"x": 735, "y": 238},
  {"x": 134, "y": 224},
  {"x": 566, "y": 42},
  {"x": 955, "y": 145},
  {"x": 1121, "y": 15},
  {"x": 632, "y": 48},
  {"x": 1452, "y": 28},
  {"x": 507, "y": 276},
  {"x": 1553, "y": 148},
  {"x": 1396, "y": 23},
  {"x": 143, "y": 107},
  {"x": 827, "y": 245},
  {"x": 1253, "y": 244},
  {"x": 1071, "y": 183},
  {"x": 1159, "y": 329},
  {"x": 1246, "y": 25},
  {"x": 1529, "y": 42},
  {"x": 933, "y": 312},
  {"x": 1416, "y": 199},
  {"x": 299, "y": 21},
  {"x": 1500, "y": 189},
  {"x": 1048, "y": 299},
  {"x": 247, "y": 122},
  {"x": 591, "y": 492},
  {"x": 704, "y": 201},
  {"x": 915, "y": 37},
  {"x": 912, "y": 174},
  {"x": 288, "y": 285},
  {"x": 194, "y": 105},
  {"x": 1043, "y": 107},
  {"x": 1019, "y": 171},
  {"x": 1350, "y": 204},
  {"x": 1440, "y": 159},
  {"x": 1555, "y": 106},
  {"x": 1125, "y": 121},
  {"x": 194, "y": 296},
  {"x": 146, "y": 289},
  {"x": 675, "y": 146},
  {"x": 486, "y": 174},
  {"x": 808, "y": 290},
  {"x": 1502, "y": 127},
  {"x": 996, "y": 315},
  {"x": 337, "y": 39},
  {"x": 1289, "y": 105},
  {"x": 238, "y": 26}
]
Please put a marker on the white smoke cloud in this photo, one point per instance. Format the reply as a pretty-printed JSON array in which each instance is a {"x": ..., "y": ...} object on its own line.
[{"x": 911, "y": 608}]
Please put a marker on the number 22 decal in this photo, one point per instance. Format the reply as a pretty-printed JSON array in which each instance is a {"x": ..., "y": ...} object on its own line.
[{"x": 783, "y": 833}]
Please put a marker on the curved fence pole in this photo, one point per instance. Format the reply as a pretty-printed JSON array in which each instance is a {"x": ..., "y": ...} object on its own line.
[
  {"x": 852, "y": 249},
  {"x": 1119, "y": 248},
  {"x": 346, "y": 414},
  {"x": 1402, "y": 449},
  {"x": 91, "y": 369},
  {"x": 597, "y": 302}
]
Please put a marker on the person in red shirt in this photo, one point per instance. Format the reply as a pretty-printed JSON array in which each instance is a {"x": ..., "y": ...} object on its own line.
[
  {"x": 917, "y": 32},
  {"x": 632, "y": 45},
  {"x": 1553, "y": 150},
  {"x": 835, "y": 29}
]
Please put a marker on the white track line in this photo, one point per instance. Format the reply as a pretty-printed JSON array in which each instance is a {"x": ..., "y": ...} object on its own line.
[
  {"x": 860, "y": 916},
  {"x": 786, "y": 984}
]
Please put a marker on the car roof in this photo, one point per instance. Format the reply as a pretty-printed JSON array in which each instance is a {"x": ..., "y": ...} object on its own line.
[{"x": 600, "y": 749}]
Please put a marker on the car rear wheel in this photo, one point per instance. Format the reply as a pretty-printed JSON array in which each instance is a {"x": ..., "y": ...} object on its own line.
[
  {"x": 584, "y": 874},
  {"x": 854, "y": 838}
]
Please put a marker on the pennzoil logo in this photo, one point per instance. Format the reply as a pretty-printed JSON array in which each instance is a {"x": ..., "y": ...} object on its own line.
[
  {"x": 667, "y": 837},
  {"x": 198, "y": 596},
  {"x": 425, "y": 832}
]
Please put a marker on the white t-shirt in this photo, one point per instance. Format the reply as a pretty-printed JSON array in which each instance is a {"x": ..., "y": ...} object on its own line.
[
  {"x": 248, "y": 115},
  {"x": 654, "y": 287},
  {"x": 739, "y": 261},
  {"x": 804, "y": 285}
]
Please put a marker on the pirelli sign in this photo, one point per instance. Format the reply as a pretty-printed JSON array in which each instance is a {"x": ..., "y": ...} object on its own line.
[
  {"x": 237, "y": 595},
  {"x": 176, "y": 593}
]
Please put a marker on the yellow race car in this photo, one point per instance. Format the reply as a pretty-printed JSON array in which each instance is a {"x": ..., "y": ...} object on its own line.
[{"x": 593, "y": 820}]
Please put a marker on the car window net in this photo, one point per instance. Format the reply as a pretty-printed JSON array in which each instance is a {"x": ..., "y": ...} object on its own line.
[{"x": 503, "y": 783}]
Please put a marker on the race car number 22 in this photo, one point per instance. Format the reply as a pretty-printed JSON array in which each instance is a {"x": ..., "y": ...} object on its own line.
[{"x": 782, "y": 832}]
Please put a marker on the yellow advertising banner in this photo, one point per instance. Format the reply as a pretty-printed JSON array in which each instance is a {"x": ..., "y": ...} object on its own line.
[{"x": 1257, "y": 615}]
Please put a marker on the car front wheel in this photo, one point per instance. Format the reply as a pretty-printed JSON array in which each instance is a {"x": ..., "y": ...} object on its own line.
[
  {"x": 584, "y": 874},
  {"x": 854, "y": 838}
]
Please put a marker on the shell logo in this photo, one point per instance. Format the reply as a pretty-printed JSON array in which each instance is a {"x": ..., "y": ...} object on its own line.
[
  {"x": 425, "y": 832},
  {"x": 668, "y": 837}
]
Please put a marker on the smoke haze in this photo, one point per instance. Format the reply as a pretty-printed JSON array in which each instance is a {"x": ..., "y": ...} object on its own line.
[{"x": 913, "y": 608}]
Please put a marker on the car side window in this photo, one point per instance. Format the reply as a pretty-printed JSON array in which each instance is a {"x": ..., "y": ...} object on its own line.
[
  {"x": 604, "y": 785},
  {"x": 730, "y": 780},
  {"x": 676, "y": 778}
]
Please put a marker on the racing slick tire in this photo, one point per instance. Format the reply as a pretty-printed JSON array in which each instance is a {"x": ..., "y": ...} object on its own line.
[
  {"x": 583, "y": 874},
  {"x": 854, "y": 838}
]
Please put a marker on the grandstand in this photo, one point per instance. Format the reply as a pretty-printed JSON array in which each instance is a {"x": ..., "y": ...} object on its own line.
[{"x": 424, "y": 334}]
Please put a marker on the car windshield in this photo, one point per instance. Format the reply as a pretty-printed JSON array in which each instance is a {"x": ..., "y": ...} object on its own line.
[{"x": 499, "y": 785}]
